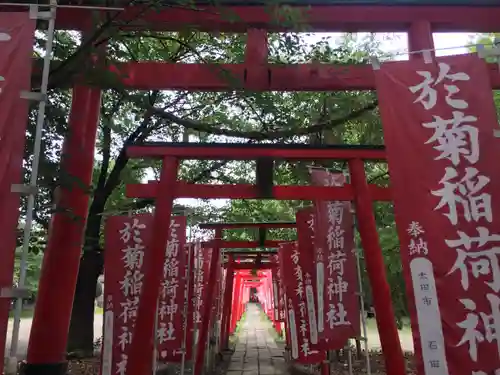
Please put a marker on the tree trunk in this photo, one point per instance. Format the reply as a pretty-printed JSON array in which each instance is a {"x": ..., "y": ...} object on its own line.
[{"x": 81, "y": 331}]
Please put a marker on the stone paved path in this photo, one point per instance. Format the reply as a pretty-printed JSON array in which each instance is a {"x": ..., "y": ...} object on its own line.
[{"x": 256, "y": 352}]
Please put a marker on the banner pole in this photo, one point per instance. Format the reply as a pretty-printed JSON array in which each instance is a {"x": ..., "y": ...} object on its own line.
[
  {"x": 389, "y": 336},
  {"x": 363, "y": 317},
  {"x": 12, "y": 360},
  {"x": 155, "y": 339},
  {"x": 186, "y": 309},
  {"x": 361, "y": 300}
]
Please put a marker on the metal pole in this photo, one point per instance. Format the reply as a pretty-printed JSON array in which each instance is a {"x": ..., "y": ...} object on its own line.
[
  {"x": 155, "y": 339},
  {"x": 349, "y": 357},
  {"x": 186, "y": 317},
  {"x": 33, "y": 182},
  {"x": 196, "y": 303},
  {"x": 363, "y": 318}
]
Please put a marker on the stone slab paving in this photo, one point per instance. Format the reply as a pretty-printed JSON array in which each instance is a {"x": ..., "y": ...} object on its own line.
[{"x": 256, "y": 352}]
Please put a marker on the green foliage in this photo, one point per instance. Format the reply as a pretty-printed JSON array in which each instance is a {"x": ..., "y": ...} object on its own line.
[{"x": 34, "y": 264}]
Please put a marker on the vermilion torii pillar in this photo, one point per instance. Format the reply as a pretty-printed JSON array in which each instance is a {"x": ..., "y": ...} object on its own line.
[
  {"x": 56, "y": 289},
  {"x": 168, "y": 188}
]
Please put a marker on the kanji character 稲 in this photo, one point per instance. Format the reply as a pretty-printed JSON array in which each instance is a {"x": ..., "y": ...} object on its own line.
[
  {"x": 171, "y": 268},
  {"x": 131, "y": 284},
  {"x": 464, "y": 193},
  {"x": 335, "y": 237},
  {"x": 456, "y": 138},
  {"x": 428, "y": 94}
]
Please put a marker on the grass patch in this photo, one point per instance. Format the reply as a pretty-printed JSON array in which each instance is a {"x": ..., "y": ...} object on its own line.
[
  {"x": 25, "y": 314},
  {"x": 371, "y": 325}
]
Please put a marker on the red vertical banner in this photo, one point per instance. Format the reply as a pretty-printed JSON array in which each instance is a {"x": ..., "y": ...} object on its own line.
[
  {"x": 190, "y": 295},
  {"x": 169, "y": 335},
  {"x": 302, "y": 350},
  {"x": 439, "y": 121},
  {"x": 202, "y": 257},
  {"x": 126, "y": 239},
  {"x": 16, "y": 45},
  {"x": 279, "y": 313},
  {"x": 283, "y": 295},
  {"x": 305, "y": 241},
  {"x": 339, "y": 315}
]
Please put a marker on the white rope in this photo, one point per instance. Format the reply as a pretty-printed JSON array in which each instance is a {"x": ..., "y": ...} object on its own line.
[{"x": 406, "y": 52}]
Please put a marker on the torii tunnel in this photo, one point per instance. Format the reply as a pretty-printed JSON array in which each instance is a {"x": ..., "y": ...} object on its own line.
[{"x": 418, "y": 18}]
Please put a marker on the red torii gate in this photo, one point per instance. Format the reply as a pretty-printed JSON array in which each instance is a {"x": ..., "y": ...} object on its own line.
[
  {"x": 166, "y": 190},
  {"x": 232, "y": 266},
  {"x": 216, "y": 246},
  {"x": 64, "y": 246}
]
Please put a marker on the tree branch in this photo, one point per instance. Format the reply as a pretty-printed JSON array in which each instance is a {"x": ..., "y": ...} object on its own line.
[
  {"x": 260, "y": 136},
  {"x": 106, "y": 140},
  {"x": 73, "y": 62}
]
